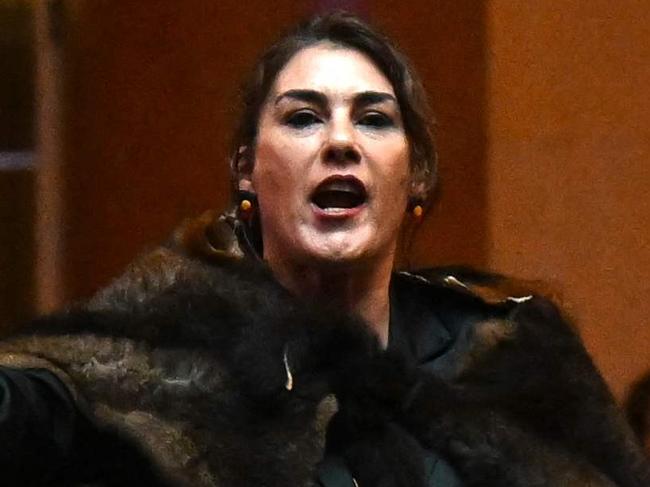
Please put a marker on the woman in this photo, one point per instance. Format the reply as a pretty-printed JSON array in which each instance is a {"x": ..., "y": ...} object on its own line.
[
  {"x": 335, "y": 165},
  {"x": 212, "y": 374}
]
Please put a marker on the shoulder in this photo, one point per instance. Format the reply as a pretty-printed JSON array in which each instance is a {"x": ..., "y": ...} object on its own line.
[
  {"x": 199, "y": 251},
  {"x": 490, "y": 317},
  {"x": 472, "y": 289},
  {"x": 506, "y": 324},
  {"x": 462, "y": 295},
  {"x": 489, "y": 287},
  {"x": 524, "y": 361}
]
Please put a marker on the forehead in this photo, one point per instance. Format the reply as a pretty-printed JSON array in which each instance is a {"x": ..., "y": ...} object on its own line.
[{"x": 332, "y": 70}]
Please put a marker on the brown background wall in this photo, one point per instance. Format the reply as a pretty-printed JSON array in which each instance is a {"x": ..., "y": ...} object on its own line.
[
  {"x": 16, "y": 245},
  {"x": 569, "y": 164},
  {"x": 16, "y": 178},
  {"x": 151, "y": 89},
  {"x": 542, "y": 113}
]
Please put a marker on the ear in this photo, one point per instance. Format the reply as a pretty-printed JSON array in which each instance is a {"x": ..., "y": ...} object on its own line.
[
  {"x": 418, "y": 190},
  {"x": 245, "y": 183},
  {"x": 243, "y": 169}
]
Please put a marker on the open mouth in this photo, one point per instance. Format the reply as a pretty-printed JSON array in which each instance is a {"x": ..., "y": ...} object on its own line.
[{"x": 339, "y": 193}]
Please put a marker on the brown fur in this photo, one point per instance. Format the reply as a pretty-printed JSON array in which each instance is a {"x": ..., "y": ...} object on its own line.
[{"x": 183, "y": 357}]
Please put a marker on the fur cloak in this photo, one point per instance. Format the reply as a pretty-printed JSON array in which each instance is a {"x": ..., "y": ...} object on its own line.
[{"x": 196, "y": 368}]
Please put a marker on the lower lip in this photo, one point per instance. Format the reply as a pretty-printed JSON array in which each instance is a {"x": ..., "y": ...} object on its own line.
[{"x": 338, "y": 213}]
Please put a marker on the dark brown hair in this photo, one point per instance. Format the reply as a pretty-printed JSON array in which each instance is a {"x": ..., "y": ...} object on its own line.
[
  {"x": 348, "y": 31},
  {"x": 637, "y": 407}
]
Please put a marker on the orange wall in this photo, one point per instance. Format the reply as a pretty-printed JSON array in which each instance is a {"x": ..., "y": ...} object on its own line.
[{"x": 568, "y": 133}]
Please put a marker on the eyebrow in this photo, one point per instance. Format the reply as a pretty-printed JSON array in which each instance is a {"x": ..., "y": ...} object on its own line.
[
  {"x": 316, "y": 97},
  {"x": 373, "y": 97}
]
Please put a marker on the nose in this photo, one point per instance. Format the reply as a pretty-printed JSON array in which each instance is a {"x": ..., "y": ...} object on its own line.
[{"x": 341, "y": 146}]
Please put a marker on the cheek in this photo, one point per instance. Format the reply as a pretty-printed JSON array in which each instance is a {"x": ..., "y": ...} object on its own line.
[
  {"x": 278, "y": 177},
  {"x": 394, "y": 190},
  {"x": 280, "y": 162},
  {"x": 270, "y": 171},
  {"x": 395, "y": 174}
]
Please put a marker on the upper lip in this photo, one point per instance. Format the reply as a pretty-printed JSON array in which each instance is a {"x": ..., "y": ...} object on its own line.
[{"x": 346, "y": 181}]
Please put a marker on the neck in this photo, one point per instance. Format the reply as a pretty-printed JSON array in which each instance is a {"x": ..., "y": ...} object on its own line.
[{"x": 360, "y": 289}]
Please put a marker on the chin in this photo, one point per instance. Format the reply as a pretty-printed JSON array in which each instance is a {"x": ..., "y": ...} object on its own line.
[{"x": 340, "y": 249}]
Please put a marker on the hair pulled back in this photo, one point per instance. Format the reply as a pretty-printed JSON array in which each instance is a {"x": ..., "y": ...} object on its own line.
[{"x": 348, "y": 31}]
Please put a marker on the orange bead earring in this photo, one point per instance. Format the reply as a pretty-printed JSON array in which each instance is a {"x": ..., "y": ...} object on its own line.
[
  {"x": 247, "y": 203},
  {"x": 415, "y": 208},
  {"x": 245, "y": 206}
]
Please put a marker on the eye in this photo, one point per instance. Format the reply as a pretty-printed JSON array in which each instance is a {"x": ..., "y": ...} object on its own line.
[
  {"x": 302, "y": 119},
  {"x": 376, "y": 120}
]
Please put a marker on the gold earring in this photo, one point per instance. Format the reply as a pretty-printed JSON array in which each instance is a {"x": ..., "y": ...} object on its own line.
[
  {"x": 245, "y": 206},
  {"x": 418, "y": 211}
]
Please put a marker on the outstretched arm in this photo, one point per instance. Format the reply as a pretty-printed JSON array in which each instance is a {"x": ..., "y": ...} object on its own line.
[{"x": 38, "y": 421}]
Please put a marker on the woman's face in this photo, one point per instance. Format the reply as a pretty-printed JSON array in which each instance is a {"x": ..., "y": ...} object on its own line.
[{"x": 331, "y": 168}]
